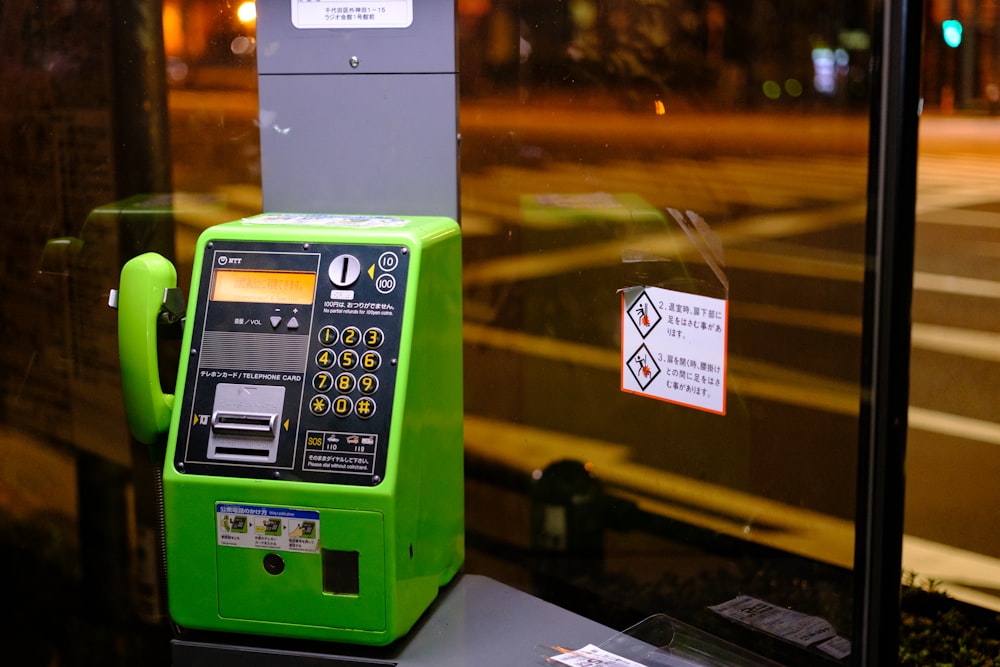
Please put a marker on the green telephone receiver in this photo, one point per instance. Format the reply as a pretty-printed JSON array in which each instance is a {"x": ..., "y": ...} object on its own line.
[
  {"x": 313, "y": 476},
  {"x": 145, "y": 282}
]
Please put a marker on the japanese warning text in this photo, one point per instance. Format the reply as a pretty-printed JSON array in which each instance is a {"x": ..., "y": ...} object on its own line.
[{"x": 674, "y": 347}]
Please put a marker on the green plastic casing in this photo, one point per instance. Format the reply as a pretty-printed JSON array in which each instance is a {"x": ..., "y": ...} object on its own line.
[{"x": 400, "y": 536}]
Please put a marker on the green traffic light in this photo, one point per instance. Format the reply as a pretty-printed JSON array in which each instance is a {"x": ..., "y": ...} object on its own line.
[{"x": 952, "y": 32}]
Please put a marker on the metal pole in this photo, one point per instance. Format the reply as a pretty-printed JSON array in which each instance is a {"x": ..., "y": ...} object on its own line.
[
  {"x": 886, "y": 336},
  {"x": 139, "y": 94}
]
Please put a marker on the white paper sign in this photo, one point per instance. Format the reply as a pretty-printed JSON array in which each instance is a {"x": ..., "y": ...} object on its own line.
[
  {"x": 312, "y": 14},
  {"x": 593, "y": 656},
  {"x": 674, "y": 347},
  {"x": 788, "y": 624}
]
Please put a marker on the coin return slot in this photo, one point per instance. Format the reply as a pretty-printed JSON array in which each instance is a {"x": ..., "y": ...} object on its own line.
[
  {"x": 340, "y": 572},
  {"x": 245, "y": 453}
]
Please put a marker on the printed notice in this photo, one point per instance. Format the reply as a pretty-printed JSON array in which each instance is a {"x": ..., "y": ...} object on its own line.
[
  {"x": 311, "y": 14},
  {"x": 592, "y": 656},
  {"x": 787, "y": 624},
  {"x": 272, "y": 528},
  {"x": 674, "y": 347}
]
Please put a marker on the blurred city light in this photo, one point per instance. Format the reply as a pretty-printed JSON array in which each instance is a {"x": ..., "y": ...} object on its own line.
[
  {"x": 824, "y": 70},
  {"x": 247, "y": 12},
  {"x": 952, "y": 31}
]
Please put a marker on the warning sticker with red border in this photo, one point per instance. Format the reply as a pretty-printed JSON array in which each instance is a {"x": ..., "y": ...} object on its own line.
[{"x": 674, "y": 347}]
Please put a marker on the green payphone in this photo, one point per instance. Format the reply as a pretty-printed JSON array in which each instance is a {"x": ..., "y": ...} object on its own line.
[{"x": 312, "y": 482}]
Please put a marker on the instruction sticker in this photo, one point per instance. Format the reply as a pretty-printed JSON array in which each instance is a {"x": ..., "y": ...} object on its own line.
[
  {"x": 271, "y": 528},
  {"x": 311, "y": 14},
  {"x": 674, "y": 347}
]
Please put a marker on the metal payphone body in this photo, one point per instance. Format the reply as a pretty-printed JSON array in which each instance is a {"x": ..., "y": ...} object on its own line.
[
  {"x": 313, "y": 476},
  {"x": 358, "y": 104}
]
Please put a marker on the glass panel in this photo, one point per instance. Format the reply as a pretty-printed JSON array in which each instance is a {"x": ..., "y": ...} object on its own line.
[
  {"x": 952, "y": 535},
  {"x": 593, "y": 133},
  {"x": 101, "y": 137}
]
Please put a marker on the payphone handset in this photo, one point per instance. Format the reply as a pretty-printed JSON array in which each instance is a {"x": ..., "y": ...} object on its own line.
[{"x": 312, "y": 483}]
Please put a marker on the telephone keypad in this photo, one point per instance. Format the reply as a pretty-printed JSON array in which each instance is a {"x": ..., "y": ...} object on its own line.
[{"x": 349, "y": 360}]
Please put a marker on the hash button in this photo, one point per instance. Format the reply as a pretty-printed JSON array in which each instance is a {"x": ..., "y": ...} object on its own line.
[{"x": 365, "y": 407}]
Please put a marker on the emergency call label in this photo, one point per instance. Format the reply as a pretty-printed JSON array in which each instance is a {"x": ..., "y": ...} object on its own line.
[
  {"x": 674, "y": 347},
  {"x": 311, "y": 14},
  {"x": 271, "y": 528}
]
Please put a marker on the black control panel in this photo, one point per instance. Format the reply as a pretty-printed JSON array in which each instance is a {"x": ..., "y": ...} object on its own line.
[{"x": 293, "y": 362}]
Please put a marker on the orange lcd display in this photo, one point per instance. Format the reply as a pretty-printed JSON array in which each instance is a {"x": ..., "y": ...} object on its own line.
[{"x": 264, "y": 286}]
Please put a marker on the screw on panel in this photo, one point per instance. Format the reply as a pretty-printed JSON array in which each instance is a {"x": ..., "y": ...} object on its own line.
[{"x": 355, "y": 61}]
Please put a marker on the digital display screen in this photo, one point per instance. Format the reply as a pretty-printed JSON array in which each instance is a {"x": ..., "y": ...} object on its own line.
[{"x": 264, "y": 286}]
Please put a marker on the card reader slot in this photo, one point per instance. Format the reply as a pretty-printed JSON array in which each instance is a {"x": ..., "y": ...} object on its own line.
[{"x": 248, "y": 424}]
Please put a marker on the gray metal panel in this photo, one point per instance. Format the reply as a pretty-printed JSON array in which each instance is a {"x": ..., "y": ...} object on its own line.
[
  {"x": 480, "y": 622},
  {"x": 476, "y": 622},
  {"x": 427, "y": 46},
  {"x": 379, "y": 144}
]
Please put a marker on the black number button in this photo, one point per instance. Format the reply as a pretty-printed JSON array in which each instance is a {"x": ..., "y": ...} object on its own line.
[
  {"x": 322, "y": 381},
  {"x": 342, "y": 406},
  {"x": 368, "y": 383},
  {"x": 345, "y": 383},
  {"x": 351, "y": 336},
  {"x": 374, "y": 337},
  {"x": 328, "y": 336},
  {"x": 370, "y": 361},
  {"x": 348, "y": 359},
  {"x": 326, "y": 358}
]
